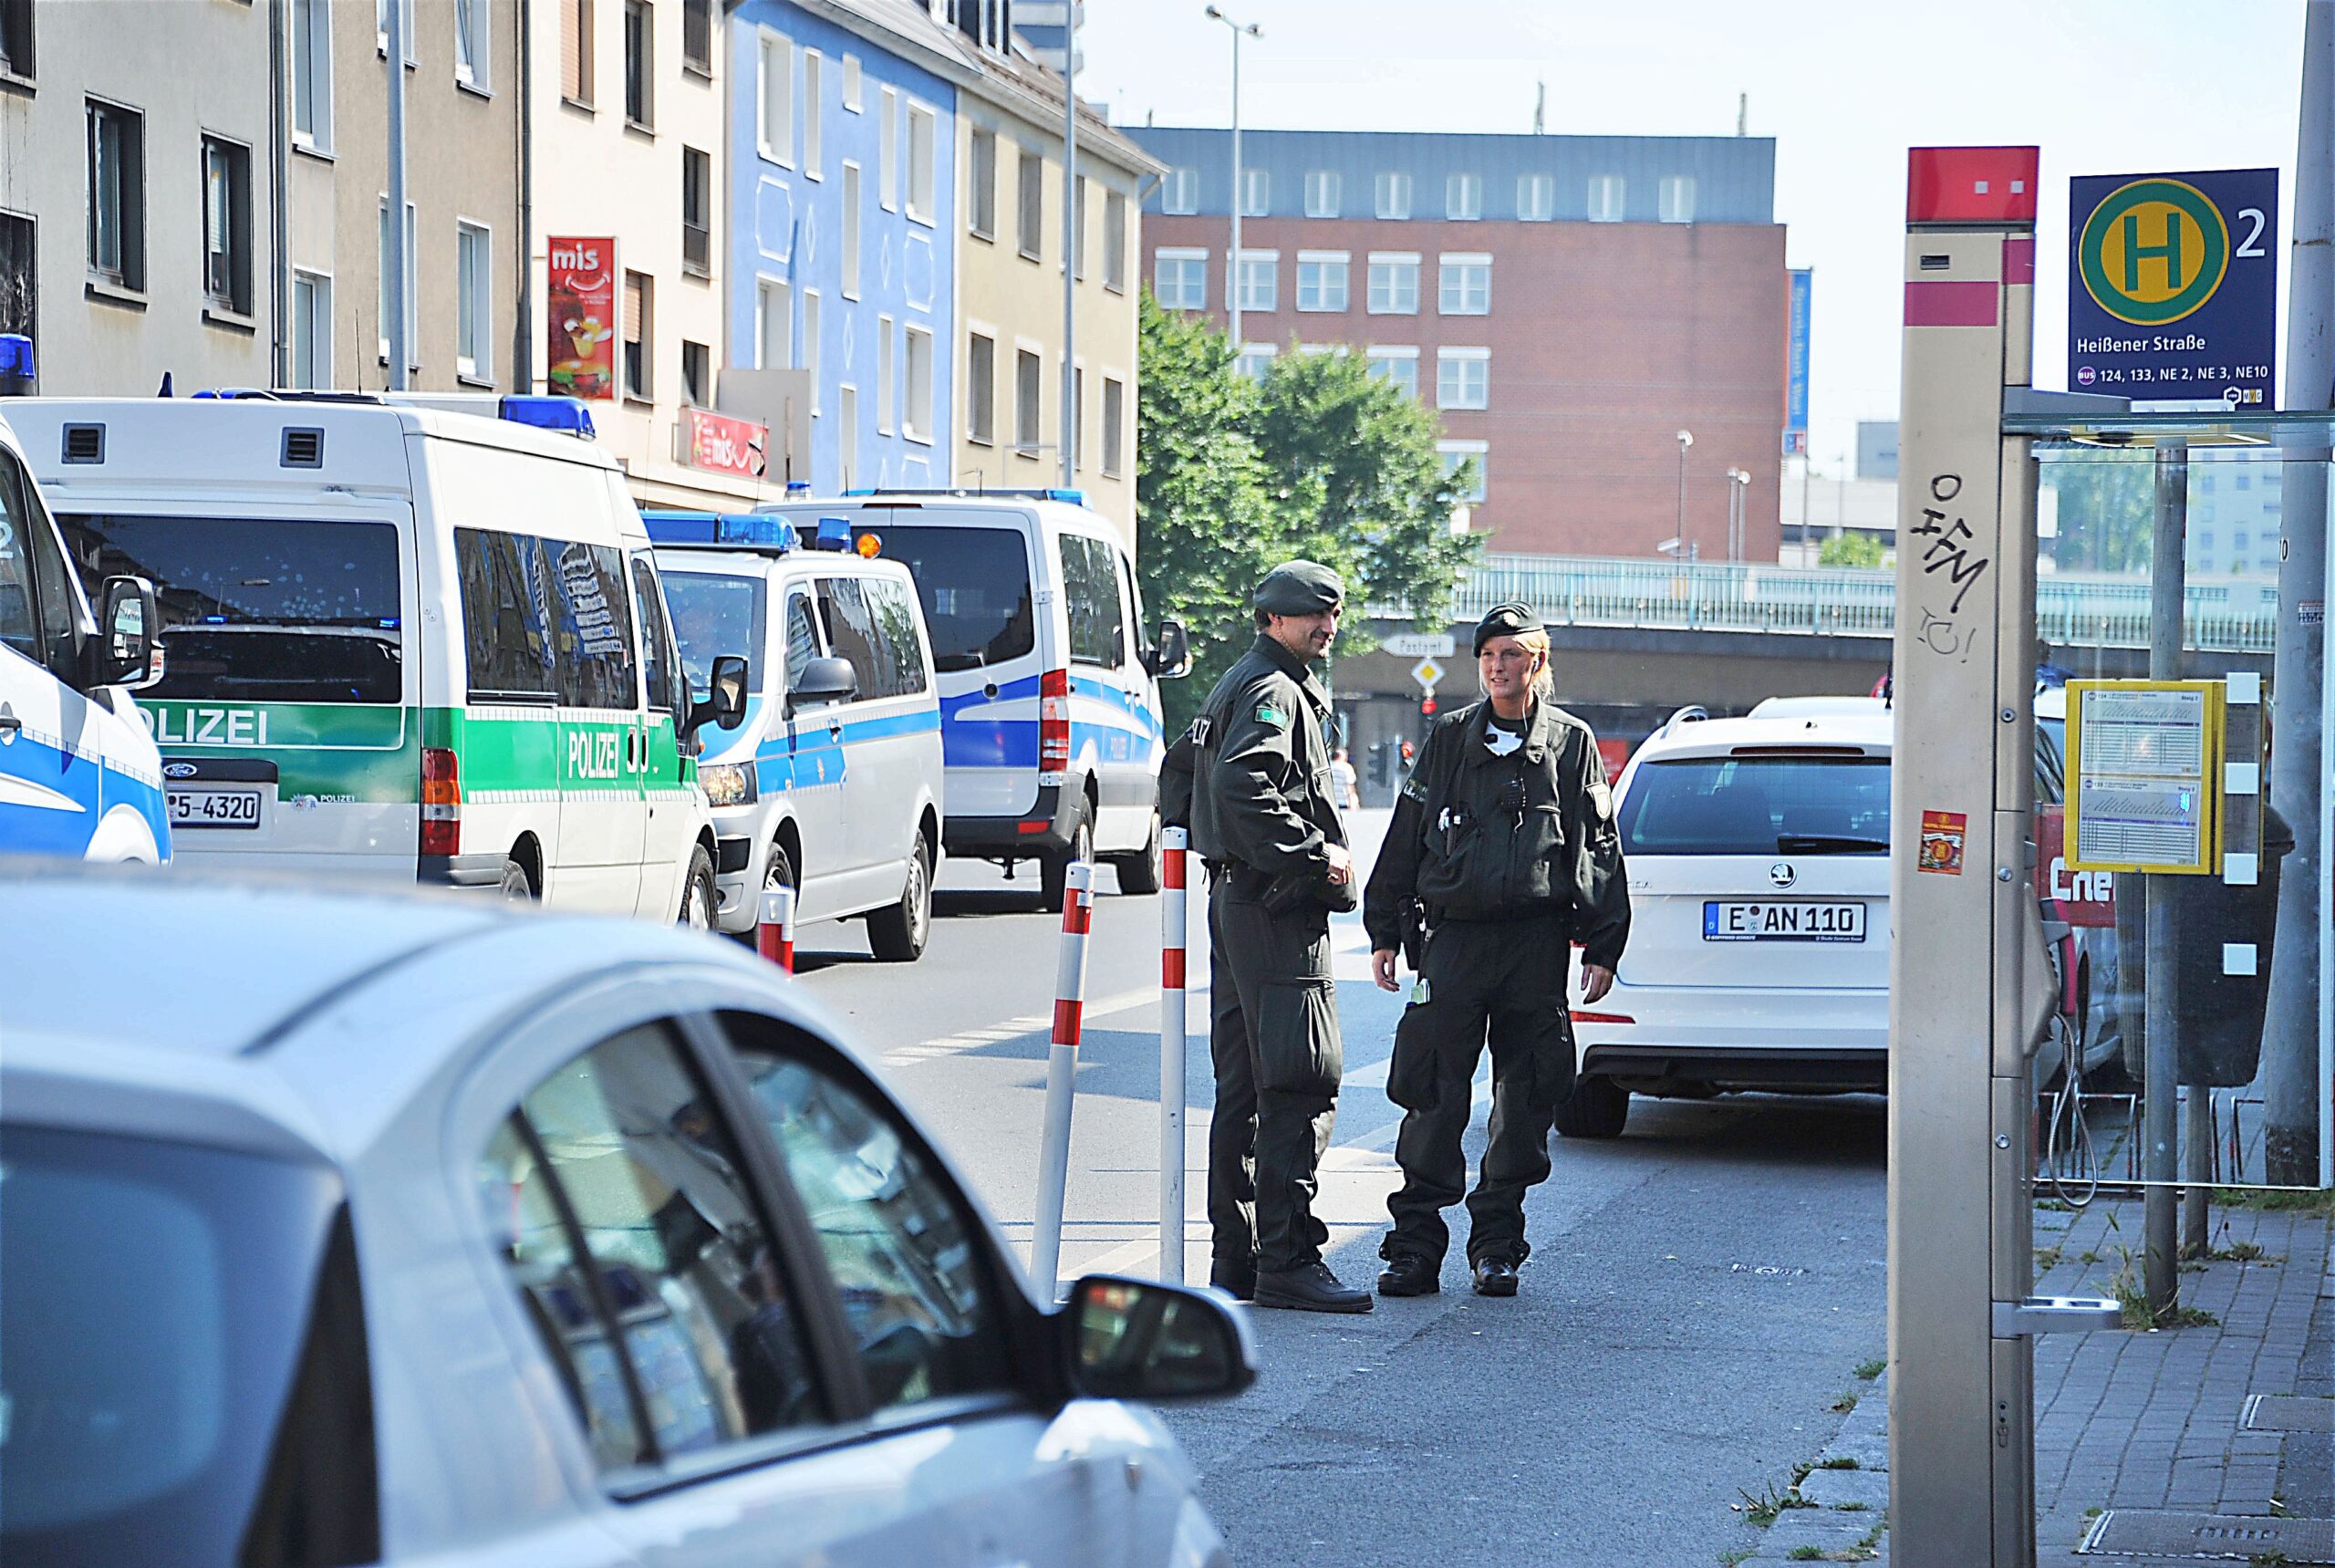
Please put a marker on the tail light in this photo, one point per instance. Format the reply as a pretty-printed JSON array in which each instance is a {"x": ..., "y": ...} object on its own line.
[
  {"x": 442, "y": 803},
  {"x": 1581, "y": 1017},
  {"x": 1054, "y": 726}
]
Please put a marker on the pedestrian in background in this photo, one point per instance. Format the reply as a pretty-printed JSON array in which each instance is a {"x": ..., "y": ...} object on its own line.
[
  {"x": 1503, "y": 852},
  {"x": 1257, "y": 791},
  {"x": 1345, "y": 784}
]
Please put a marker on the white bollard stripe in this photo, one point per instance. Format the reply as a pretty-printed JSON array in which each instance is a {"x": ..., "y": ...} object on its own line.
[{"x": 1062, "y": 1077}]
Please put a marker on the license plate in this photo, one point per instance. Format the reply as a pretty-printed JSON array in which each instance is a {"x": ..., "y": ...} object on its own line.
[
  {"x": 214, "y": 808},
  {"x": 1757, "y": 921}
]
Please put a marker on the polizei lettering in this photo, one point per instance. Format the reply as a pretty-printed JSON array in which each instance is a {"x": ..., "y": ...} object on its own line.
[
  {"x": 194, "y": 726},
  {"x": 594, "y": 756}
]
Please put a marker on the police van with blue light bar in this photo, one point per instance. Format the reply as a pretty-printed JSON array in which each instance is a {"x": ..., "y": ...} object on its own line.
[
  {"x": 1048, "y": 678},
  {"x": 399, "y": 640},
  {"x": 831, "y": 786}
]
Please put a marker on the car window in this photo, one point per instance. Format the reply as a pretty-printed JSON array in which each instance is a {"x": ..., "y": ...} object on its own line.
[
  {"x": 1098, "y": 627},
  {"x": 19, "y": 619},
  {"x": 1757, "y": 806},
  {"x": 1133, "y": 596},
  {"x": 592, "y": 625},
  {"x": 893, "y": 606},
  {"x": 862, "y": 624},
  {"x": 618, "y": 1197},
  {"x": 975, "y": 585},
  {"x": 905, "y": 1252},
  {"x": 802, "y": 633},
  {"x": 716, "y": 613},
  {"x": 658, "y": 659},
  {"x": 506, "y": 618}
]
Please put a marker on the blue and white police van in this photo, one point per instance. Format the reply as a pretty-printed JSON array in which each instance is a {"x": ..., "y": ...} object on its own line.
[
  {"x": 1048, "y": 677},
  {"x": 832, "y": 783},
  {"x": 79, "y": 775}
]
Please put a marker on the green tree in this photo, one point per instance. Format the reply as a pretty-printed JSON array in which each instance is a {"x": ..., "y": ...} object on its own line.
[
  {"x": 1850, "y": 550},
  {"x": 2107, "y": 511}
]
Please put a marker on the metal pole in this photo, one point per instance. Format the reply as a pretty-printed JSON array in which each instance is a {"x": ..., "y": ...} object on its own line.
[
  {"x": 1072, "y": 223},
  {"x": 1174, "y": 1020},
  {"x": 2160, "y": 1131},
  {"x": 279, "y": 159},
  {"x": 398, "y": 325},
  {"x": 1232, "y": 261}
]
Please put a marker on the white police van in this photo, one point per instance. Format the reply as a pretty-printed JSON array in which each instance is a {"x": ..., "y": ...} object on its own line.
[
  {"x": 399, "y": 642},
  {"x": 1049, "y": 680},
  {"x": 79, "y": 773},
  {"x": 832, "y": 785}
]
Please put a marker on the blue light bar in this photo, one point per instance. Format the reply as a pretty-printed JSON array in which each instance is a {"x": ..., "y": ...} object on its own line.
[
  {"x": 834, "y": 533},
  {"x": 15, "y": 355},
  {"x": 725, "y": 530},
  {"x": 566, "y": 415}
]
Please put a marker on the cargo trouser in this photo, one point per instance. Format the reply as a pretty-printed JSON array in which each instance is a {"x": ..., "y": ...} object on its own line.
[
  {"x": 1503, "y": 979},
  {"x": 1274, "y": 1037}
]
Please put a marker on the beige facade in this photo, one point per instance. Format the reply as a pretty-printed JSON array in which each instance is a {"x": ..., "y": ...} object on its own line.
[{"x": 1010, "y": 288}]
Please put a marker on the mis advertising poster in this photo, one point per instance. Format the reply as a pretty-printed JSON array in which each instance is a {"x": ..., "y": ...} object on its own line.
[{"x": 580, "y": 317}]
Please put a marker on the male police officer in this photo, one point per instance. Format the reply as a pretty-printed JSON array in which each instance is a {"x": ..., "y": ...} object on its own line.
[
  {"x": 1263, "y": 820},
  {"x": 1503, "y": 839}
]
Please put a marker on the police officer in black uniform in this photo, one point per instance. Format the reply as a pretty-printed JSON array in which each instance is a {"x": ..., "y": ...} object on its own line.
[
  {"x": 1263, "y": 819},
  {"x": 1502, "y": 853}
]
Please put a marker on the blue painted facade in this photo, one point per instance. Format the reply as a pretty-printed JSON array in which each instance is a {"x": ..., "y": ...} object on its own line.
[{"x": 787, "y": 227}]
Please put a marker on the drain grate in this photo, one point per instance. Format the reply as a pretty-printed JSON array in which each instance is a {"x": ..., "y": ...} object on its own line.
[
  {"x": 2148, "y": 1533},
  {"x": 2287, "y": 1413}
]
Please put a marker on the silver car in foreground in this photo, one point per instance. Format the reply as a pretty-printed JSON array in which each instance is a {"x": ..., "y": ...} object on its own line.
[{"x": 343, "y": 1229}]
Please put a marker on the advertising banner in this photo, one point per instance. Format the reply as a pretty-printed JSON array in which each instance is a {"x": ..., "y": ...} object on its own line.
[
  {"x": 723, "y": 445},
  {"x": 1803, "y": 282},
  {"x": 580, "y": 317}
]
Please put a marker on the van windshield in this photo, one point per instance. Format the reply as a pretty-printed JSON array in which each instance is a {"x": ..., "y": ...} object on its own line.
[
  {"x": 259, "y": 609},
  {"x": 1758, "y": 806},
  {"x": 975, "y": 585},
  {"x": 714, "y": 614}
]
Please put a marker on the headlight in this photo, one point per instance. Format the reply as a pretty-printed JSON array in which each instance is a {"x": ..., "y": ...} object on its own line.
[{"x": 727, "y": 783}]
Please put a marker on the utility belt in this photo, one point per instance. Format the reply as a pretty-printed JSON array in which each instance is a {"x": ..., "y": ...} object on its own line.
[{"x": 1279, "y": 895}]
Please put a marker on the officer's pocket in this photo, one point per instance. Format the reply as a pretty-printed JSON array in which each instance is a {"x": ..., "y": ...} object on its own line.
[
  {"x": 1410, "y": 1076},
  {"x": 1299, "y": 1050}
]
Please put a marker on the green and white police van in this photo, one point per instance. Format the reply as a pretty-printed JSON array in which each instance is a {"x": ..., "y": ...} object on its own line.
[{"x": 399, "y": 641}]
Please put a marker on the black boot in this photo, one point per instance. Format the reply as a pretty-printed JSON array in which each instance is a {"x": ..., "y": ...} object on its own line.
[
  {"x": 1495, "y": 1277},
  {"x": 1410, "y": 1275},
  {"x": 1233, "y": 1279},
  {"x": 1309, "y": 1289}
]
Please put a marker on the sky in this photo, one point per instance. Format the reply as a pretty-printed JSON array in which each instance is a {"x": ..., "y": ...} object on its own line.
[{"x": 2138, "y": 87}]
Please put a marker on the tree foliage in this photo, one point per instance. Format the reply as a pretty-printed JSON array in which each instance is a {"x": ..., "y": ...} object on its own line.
[
  {"x": 2107, "y": 511},
  {"x": 1850, "y": 549}
]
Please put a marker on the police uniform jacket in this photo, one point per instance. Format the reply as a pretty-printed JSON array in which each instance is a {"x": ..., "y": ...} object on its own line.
[
  {"x": 1261, "y": 794},
  {"x": 1482, "y": 838}
]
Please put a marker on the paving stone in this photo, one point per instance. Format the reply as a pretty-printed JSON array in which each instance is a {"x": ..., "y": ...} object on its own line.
[
  {"x": 1830, "y": 1489},
  {"x": 1818, "y": 1527}
]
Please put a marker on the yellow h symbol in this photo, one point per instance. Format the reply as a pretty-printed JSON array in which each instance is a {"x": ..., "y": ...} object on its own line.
[{"x": 2169, "y": 252}]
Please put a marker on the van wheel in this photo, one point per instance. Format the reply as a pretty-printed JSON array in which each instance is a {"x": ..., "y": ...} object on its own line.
[
  {"x": 1053, "y": 871},
  {"x": 517, "y": 886},
  {"x": 1140, "y": 872},
  {"x": 1596, "y": 1108},
  {"x": 898, "y": 934},
  {"x": 697, "y": 892}
]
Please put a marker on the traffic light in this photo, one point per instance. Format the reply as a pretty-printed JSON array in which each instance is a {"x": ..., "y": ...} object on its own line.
[
  {"x": 1409, "y": 752},
  {"x": 1427, "y": 707},
  {"x": 1379, "y": 764}
]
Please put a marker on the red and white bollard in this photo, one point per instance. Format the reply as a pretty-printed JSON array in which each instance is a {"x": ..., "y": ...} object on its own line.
[
  {"x": 1061, "y": 1073},
  {"x": 774, "y": 935},
  {"x": 1174, "y": 1015}
]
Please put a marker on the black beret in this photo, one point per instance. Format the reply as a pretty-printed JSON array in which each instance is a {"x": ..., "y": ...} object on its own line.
[
  {"x": 1511, "y": 620},
  {"x": 1299, "y": 587}
]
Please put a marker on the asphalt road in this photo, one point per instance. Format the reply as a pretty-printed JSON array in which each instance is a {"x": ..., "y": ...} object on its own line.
[{"x": 1699, "y": 1293}]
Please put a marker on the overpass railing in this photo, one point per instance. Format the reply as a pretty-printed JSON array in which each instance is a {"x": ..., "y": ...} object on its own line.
[{"x": 2236, "y": 615}]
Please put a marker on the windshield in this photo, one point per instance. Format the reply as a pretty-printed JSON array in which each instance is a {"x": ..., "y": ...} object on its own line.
[
  {"x": 714, "y": 614},
  {"x": 260, "y": 609},
  {"x": 975, "y": 585},
  {"x": 1758, "y": 806}
]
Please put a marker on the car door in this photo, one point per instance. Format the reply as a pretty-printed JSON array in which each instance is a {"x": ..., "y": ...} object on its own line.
[
  {"x": 50, "y": 792},
  {"x": 1137, "y": 783},
  {"x": 603, "y": 815},
  {"x": 1102, "y": 705},
  {"x": 878, "y": 750},
  {"x": 674, "y": 810},
  {"x": 809, "y": 763}
]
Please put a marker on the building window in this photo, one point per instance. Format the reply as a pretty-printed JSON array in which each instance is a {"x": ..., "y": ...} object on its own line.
[
  {"x": 1394, "y": 195},
  {"x": 884, "y": 375},
  {"x": 981, "y": 205},
  {"x": 19, "y": 274},
  {"x": 696, "y": 211},
  {"x": 310, "y": 64},
  {"x": 696, "y": 36},
  {"x": 381, "y": 28},
  {"x": 1321, "y": 193},
  {"x": 575, "y": 51},
  {"x": 851, "y": 88},
  {"x": 1255, "y": 361},
  {"x": 774, "y": 323},
  {"x": 474, "y": 302},
  {"x": 16, "y": 38},
  {"x": 1114, "y": 242},
  {"x": 227, "y": 225},
  {"x": 1078, "y": 227},
  {"x": 1393, "y": 284},
  {"x": 117, "y": 194},
  {"x": 980, "y": 388},
  {"x": 1322, "y": 280},
  {"x": 311, "y": 330},
  {"x": 848, "y": 432},
  {"x": 814, "y": 115},
  {"x": 812, "y": 344},
  {"x": 1605, "y": 192},
  {"x": 1463, "y": 197},
  {"x": 887, "y": 152},
  {"x": 697, "y": 375},
  {"x": 1256, "y": 193},
  {"x": 1028, "y": 411},
  {"x": 1114, "y": 419},
  {"x": 1536, "y": 197},
  {"x": 1399, "y": 367},
  {"x": 1467, "y": 285},
  {"x": 473, "y": 43},
  {"x": 1179, "y": 277},
  {"x": 1677, "y": 192},
  {"x": 639, "y": 302},
  {"x": 1463, "y": 378},
  {"x": 1457, "y": 455},
  {"x": 851, "y": 224},
  {"x": 1179, "y": 192},
  {"x": 2241, "y": 480},
  {"x": 1259, "y": 280},
  {"x": 775, "y": 88},
  {"x": 916, "y": 419},
  {"x": 412, "y": 290},
  {"x": 1031, "y": 188},
  {"x": 639, "y": 63},
  {"x": 924, "y": 141}
]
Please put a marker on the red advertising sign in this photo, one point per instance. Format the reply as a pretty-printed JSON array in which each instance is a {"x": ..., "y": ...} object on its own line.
[
  {"x": 580, "y": 317},
  {"x": 2085, "y": 897},
  {"x": 724, "y": 445}
]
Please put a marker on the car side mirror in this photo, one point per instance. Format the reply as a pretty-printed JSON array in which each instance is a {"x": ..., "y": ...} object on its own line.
[
  {"x": 725, "y": 703},
  {"x": 128, "y": 649},
  {"x": 1171, "y": 651},
  {"x": 828, "y": 680},
  {"x": 1140, "y": 1339}
]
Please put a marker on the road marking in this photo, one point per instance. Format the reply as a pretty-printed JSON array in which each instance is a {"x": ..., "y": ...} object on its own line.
[{"x": 1019, "y": 1028}]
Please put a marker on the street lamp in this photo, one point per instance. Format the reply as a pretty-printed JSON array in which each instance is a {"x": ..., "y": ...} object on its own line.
[
  {"x": 1232, "y": 261},
  {"x": 1736, "y": 478},
  {"x": 1685, "y": 439}
]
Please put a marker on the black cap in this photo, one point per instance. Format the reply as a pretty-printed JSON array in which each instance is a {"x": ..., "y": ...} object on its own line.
[
  {"x": 1299, "y": 587},
  {"x": 1511, "y": 620}
]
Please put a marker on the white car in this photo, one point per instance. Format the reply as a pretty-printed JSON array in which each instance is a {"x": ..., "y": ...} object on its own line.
[
  {"x": 392, "y": 1228},
  {"x": 1758, "y": 854}
]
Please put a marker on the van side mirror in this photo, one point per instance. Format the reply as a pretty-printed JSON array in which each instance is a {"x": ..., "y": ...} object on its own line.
[
  {"x": 128, "y": 649},
  {"x": 1140, "y": 1339},
  {"x": 725, "y": 703},
  {"x": 1171, "y": 651},
  {"x": 828, "y": 680}
]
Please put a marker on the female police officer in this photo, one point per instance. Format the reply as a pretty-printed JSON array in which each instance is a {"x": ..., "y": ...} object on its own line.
[{"x": 1503, "y": 848}]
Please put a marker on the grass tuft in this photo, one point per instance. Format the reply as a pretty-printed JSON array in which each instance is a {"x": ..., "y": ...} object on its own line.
[{"x": 1869, "y": 1370}]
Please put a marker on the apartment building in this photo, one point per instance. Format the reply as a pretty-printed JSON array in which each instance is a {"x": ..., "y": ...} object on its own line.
[{"x": 1569, "y": 305}]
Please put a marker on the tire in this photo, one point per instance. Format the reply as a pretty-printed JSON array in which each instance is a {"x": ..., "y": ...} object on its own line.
[
  {"x": 778, "y": 873},
  {"x": 517, "y": 886},
  {"x": 1596, "y": 1108},
  {"x": 897, "y": 934},
  {"x": 1054, "y": 869},
  {"x": 697, "y": 892},
  {"x": 1140, "y": 873}
]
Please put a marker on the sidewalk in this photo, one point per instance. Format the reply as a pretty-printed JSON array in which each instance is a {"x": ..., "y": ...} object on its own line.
[{"x": 2151, "y": 1447}]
